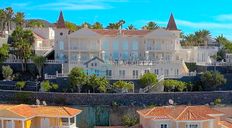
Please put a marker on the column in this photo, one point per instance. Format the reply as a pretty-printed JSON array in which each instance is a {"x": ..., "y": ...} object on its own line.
[
  {"x": 23, "y": 124},
  {"x": 75, "y": 121},
  {"x": 177, "y": 125},
  {"x": 68, "y": 121},
  {"x": 2, "y": 123},
  {"x": 12, "y": 122}
]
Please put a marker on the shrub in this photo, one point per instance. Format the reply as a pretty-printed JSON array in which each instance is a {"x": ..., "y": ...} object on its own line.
[
  {"x": 130, "y": 120},
  {"x": 7, "y": 72},
  {"x": 47, "y": 86},
  {"x": 20, "y": 84},
  {"x": 148, "y": 79},
  {"x": 174, "y": 85},
  {"x": 217, "y": 101}
]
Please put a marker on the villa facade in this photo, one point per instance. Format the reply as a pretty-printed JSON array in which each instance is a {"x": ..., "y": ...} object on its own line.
[
  {"x": 37, "y": 116},
  {"x": 182, "y": 117},
  {"x": 127, "y": 54}
]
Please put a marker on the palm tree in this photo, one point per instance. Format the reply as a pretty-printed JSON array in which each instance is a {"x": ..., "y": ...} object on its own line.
[
  {"x": 19, "y": 19},
  {"x": 9, "y": 17},
  {"x": 202, "y": 36},
  {"x": 150, "y": 26},
  {"x": 39, "y": 63},
  {"x": 97, "y": 25},
  {"x": 2, "y": 19},
  {"x": 121, "y": 22},
  {"x": 131, "y": 27}
]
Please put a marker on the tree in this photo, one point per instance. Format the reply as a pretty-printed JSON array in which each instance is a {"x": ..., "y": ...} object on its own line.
[
  {"x": 22, "y": 43},
  {"x": 202, "y": 37},
  {"x": 148, "y": 79},
  {"x": 211, "y": 80},
  {"x": 98, "y": 83},
  {"x": 151, "y": 26},
  {"x": 35, "y": 24},
  {"x": 131, "y": 27},
  {"x": 9, "y": 17},
  {"x": 7, "y": 72},
  {"x": 97, "y": 25},
  {"x": 130, "y": 120},
  {"x": 174, "y": 86},
  {"x": 47, "y": 86},
  {"x": 71, "y": 26},
  {"x": 20, "y": 84},
  {"x": 123, "y": 85},
  {"x": 39, "y": 63},
  {"x": 19, "y": 19},
  {"x": 85, "y": 24},
  {"x": 116, "y": 25},
  {"x": 77, "y": 78},
  {"x": 2, "y": 19},
  {"x": 4, "y": 52}
]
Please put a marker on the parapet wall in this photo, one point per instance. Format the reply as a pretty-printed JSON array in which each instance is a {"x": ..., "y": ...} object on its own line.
[{"x": 190, "y": 98}]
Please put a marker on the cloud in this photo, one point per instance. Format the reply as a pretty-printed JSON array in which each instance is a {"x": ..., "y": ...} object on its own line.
[
  {"x": 72, "y": 6},
  {"x": 224, "y": 17},
  {"x": 201, "y": 25}
]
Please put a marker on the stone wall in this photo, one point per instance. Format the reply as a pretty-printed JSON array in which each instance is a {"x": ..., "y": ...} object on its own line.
[{"x": 193, "y": 98}]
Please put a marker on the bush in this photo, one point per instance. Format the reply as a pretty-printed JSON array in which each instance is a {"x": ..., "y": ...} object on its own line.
[
  {"x": 148, "y": 79},
  {"x": 217, "y": 101},
  {"x": 123, "y": 85},
  {"x": 7, "y": 72},
  {"x": 20, "y": 84},
  {"x": 211, "y": 80},
  {"x": 174, "y": 86},
  {"x": 130, "y": 120},
  {"x": 47, "y": 86}
]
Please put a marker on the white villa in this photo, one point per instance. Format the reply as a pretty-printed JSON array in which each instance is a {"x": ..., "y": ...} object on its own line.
[{"x": 127, "y": 54}]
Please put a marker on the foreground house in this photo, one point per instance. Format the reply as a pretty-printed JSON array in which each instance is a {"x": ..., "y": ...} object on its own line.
[
  {"x": 36, "y": 116},
  {"x": 182, "y": 117}
]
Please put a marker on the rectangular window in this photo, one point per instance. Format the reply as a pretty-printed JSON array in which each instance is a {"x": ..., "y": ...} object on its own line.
[
  {"x": 192, "y": 126},
  {"x": 108, "y": 73},
  {"x": 146, "y": 71},
  {"x": 125, "y": 55},
  {"x": 135, "y": 45},
  {"x": 156, "y": 71},
  {"x": 106, "y": 45},
  {"x": 163, "y": 126},
  {"x": 122, "y": 73},
  {"x": 125, "y": 45},
  {"x": 135, "y": 73},
  {"x": 115, "y": 46}
]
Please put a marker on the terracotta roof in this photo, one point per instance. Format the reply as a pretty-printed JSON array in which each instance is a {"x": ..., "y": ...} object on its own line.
[
  {"x": 180, "y": 112},
  {"x": 225, "y": 124},
  {"x": 61, "y": 23},
  {"x": 171, "y": 23},
  {"x": 26, "y": 111},
  {"x": 114, "y": 32},
  {"x": 37, "y": 36}
]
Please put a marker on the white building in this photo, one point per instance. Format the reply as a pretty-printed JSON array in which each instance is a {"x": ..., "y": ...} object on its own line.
[{"x": 127, "y": 54}]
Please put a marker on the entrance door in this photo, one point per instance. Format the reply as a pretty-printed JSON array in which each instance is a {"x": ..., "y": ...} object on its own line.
[{"x": 44, "y": 123}]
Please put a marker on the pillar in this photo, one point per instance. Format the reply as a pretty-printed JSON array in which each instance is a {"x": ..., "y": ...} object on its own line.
[
  {"x": 2, "y": 123},
  {"x": 68, "y": 121},
  {"x": 75, "y": 121},
  {"x": 12, "y": 122},
  {"x": 23, "y": 126}
]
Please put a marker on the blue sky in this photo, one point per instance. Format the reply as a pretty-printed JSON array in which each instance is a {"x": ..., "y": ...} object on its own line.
[{"x": 190, "y": 15}]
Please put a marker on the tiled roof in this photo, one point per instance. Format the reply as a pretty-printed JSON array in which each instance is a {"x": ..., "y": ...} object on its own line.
[
  {"x": 113, "y": 32},
  {"x": 225, "y": 124},
  {"x": 26, "y": 111},
  {"x": 180, "y": 112},
  {"x": 37, "y": 36}
]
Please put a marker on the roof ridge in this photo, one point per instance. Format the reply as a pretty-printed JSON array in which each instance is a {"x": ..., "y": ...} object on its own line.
[
  {"x": 182, "y": 112},
  {"x": 150, "y": 111},
  {"x": 9, "y": 109},
  {"x": 66, "y": 111}
]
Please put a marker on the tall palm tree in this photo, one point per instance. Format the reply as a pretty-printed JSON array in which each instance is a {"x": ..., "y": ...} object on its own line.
[
  {"x": 151, "y": 26},
  {"x": 202, "y": 36},
  {"x": 19, "y": 19},
  {"x": 2, "y": 19},
  {"x": 9, "y": 17},
  {"x": 121, "y": 22}
]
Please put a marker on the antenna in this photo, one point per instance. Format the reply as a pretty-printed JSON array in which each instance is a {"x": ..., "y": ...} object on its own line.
[
  {"x": 37, "y": 102},
  {"x": 44, "y": 103},
  {"x": 170, "y": 101}
]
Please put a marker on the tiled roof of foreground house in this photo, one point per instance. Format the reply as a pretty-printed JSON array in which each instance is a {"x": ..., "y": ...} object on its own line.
[
  {"x": 27, "y": 111},
  {"x": 226, "y": 124},
  {"x": 180, "y": 112}
]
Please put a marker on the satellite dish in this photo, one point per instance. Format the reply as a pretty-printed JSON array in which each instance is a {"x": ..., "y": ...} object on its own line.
[
  {"x": 44, "y": 103},
  {"x": 170, "y": 101},
  {"x": 37, "y": 102}
]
